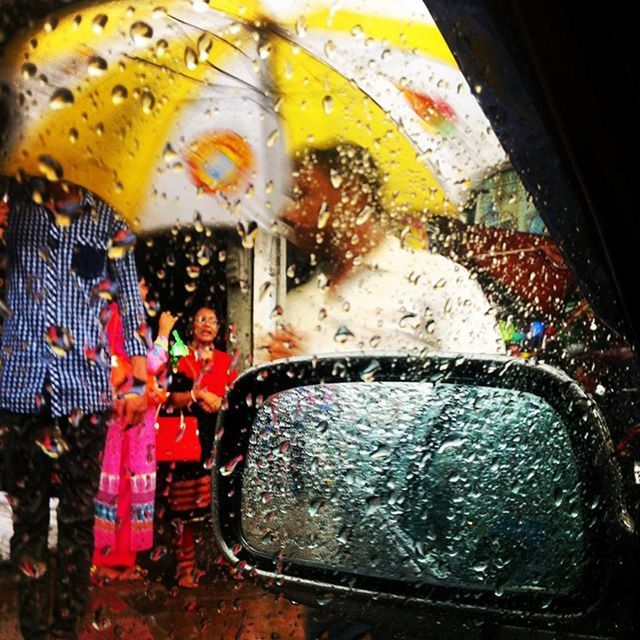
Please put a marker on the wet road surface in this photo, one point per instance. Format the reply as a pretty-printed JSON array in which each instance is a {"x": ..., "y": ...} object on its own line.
[{"x": 223, "y": 607}]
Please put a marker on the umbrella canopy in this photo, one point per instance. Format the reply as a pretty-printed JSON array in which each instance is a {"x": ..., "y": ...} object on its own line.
[
  {"x": 529, "y": 266},
  {"x": 195, "y": 109}
]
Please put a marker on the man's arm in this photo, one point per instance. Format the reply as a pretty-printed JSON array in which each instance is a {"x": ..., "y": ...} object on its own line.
[{"x": 123, "y": 270}]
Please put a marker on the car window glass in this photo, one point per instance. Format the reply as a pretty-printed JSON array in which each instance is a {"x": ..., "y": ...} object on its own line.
[{"x": 320, "y": 174}]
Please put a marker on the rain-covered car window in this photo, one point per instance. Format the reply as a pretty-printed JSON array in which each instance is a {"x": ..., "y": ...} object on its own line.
[
  {"x": 448, "y": 484},
  {"x": 320, "y": 174}
]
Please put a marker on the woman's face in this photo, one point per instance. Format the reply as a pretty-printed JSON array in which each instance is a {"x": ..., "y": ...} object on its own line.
[{"x": 205, "y": 326}]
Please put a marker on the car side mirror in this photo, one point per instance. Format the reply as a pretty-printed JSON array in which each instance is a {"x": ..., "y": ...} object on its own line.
[{"x": 377, "y": 483}]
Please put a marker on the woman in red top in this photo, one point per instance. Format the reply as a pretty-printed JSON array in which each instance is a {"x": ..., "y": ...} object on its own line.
[{"x": 198, "y": 387}]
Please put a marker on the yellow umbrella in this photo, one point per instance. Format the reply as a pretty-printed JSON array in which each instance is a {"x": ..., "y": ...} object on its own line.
[{"x": 196, "y": 108}]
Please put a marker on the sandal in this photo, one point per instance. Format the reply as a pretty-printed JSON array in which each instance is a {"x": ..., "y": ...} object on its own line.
[
  {"x": 132, "y": 574},
  {"x": 189, "y": 578},
  {"x": 104, "y": 575}
]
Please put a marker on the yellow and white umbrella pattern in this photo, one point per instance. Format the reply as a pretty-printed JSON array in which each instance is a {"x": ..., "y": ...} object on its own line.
[{"x": 196, "y": 108}]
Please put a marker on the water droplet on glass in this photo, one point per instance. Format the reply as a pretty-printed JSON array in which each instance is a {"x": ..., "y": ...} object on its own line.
[
  {"x": 50, "y": 168},
  {"x": 152, "y": 307},
  {"x": 32, "y": 568},
  {"x": 440, "y": 283},
  {"x": 193, "y": 271},
  {"x": 323, "y": 215},
  {"x": 227, "y": 469},
  {"x": 342, "y": 335},
  {"x": 329, "y": 48},
  {"x": 161, "y": 47},
  {"x": 409, "y": 320},
  {"x": 96, "y": 66},
  {"x": 141, "y": 33},
  {"x": 106, "y": 290},
  {"x": 169, "y": 154},
  {"x": 273, "y": 137},
  {"x": 29, "y": 70},
  {"x": 248, "y": 235},
  {"x": 123, "y": 242},
  {"x": 369, "y": 373},
  {"x": 315, "y": 507},
  {"x": 328, "y": 598},
  {"x": 59, "y": 340},
  {"x": 204, "y": 255},
  {"x": 364, "y": 214},
  {"x": 327, "y": 104},
  {"x": 190, "y": 58},
  {"x": 276, "y": 312},
  {"x": 99, "y": 23},
  {"x": 5, "y": 311},
  {"x": 451, "y": 444},
  {"x": 148, "y": 101},
  {"x": 50, "y": 25},
  {"x": 301, "y": 27},
  {"x": 284, "y": 446},
  {"x": 335, "y": 178},
  {"x": 382, "y": 452},
  {"x": 61, "y": 98},
  {"x": 205, "y": 44},
  {"x": 558, "y": 496},
  {"x": 119, "y": 94},
  {"x": 373, "y": 504},
  {"x": 264, "y": 288},
  {"x": 264, "y": 50},
  {"x": 158, "y": 553},
  {"x": 100, "y": 622}
]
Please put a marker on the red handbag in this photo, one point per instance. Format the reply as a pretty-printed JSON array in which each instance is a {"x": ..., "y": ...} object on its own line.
[{"x": 177, "y": 439}]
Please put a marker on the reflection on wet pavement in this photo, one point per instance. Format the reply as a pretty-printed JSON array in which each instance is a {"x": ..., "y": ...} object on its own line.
[{"x": 220, "y": 609}]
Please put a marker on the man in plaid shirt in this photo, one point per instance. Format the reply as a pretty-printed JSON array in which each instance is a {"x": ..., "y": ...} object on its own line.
[{"x": 67, "y": 253}]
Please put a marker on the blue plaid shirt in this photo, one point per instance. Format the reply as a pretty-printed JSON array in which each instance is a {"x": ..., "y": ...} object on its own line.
[{"x": 53, "y": 332}]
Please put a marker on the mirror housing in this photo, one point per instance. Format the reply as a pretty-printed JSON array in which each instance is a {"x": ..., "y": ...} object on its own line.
[{"x": 609, "y": 530}]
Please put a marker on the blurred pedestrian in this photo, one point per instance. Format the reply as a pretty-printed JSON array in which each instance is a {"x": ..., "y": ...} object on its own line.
[
  {"x": 199, "y": 385},
  {"x": 430, "y": 302},
  {"x": 64, "y": 247},
  {"x": 125, "y": 501}
]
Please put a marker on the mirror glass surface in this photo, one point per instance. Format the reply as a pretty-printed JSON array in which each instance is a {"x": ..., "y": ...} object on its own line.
[{"x": 445, "y": 484}]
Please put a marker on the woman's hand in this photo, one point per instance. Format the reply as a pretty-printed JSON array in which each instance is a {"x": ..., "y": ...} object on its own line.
[
  {"x": 166, "y": 324},
  {"x": 284, "y": 343},
  {"x": 207, "y": 400}
]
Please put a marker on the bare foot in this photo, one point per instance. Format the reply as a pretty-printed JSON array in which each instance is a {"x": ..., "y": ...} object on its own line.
[{"x": 189, "y": 579}]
